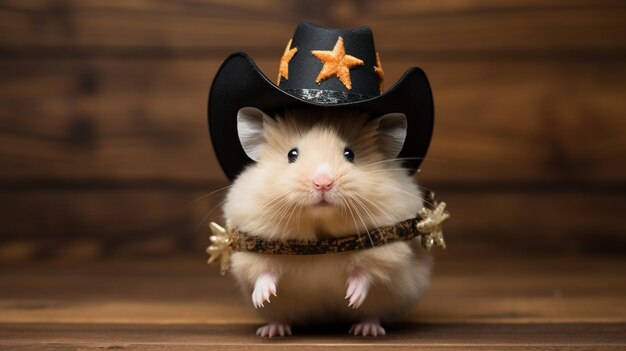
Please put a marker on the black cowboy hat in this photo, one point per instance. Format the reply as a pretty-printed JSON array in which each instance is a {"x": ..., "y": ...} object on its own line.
[{"x": 325, "y": 68}]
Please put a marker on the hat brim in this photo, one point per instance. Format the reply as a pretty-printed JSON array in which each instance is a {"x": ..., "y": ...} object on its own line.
[{"x": 240, "y": 83}]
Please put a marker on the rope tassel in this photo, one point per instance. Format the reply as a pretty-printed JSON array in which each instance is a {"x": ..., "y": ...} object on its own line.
[
  {"x": 220, "y": 246},
  {"x": 431, "y": 226}
]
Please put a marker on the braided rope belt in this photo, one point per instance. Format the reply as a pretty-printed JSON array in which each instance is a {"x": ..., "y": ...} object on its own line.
[{"x": 427, "y": 226}]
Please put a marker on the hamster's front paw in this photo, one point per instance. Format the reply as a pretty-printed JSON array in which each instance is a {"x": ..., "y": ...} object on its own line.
[
  {"x": 264, "y": 286},
  {"x": 358, "y": 287}
]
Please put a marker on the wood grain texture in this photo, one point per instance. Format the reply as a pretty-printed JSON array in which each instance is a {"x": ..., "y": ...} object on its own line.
[
  {"x": 184, "y": 304},
  {"x": 103, "y": 135},
  {"x": 104, "y": 149},
  {"x": 259, "y": 25},
  {"x": 578, "y": 336},
  {"x": 83, "y": 224},
  {"x": 512, "y": 121}
]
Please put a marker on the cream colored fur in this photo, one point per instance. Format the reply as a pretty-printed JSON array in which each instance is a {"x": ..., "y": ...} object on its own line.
[{"x": 273, "y": 199}]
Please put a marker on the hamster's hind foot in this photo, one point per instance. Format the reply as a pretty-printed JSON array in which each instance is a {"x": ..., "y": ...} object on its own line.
[
  {"x": 368, "y": 327},
  {"x": 274, "y": 329}
]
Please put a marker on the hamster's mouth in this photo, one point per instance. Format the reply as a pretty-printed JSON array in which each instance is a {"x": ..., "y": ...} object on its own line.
[
  {"x": 323, "y": 199},
  {"x": 322, "y": 203}
]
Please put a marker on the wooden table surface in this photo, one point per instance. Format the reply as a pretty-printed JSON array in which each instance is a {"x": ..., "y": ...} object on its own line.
[{"x": 182, "y": 304}]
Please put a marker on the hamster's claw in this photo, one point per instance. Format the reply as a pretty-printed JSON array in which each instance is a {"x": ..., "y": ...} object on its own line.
[
  {"x": 274, "y": 329},
  {"x": 264, "y": 286},
  {"x": 369, "y": 327},
  {"x": 358, "y": 287}
]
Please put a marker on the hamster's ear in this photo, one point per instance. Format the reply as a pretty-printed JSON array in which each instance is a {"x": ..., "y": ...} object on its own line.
[
  {"x": 250, "y": 130},
  {"x": 392, "y": 127}
]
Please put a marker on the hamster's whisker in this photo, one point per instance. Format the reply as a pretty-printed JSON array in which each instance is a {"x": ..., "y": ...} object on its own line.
[
  {"x": 295, "y": 206},
  {"x": 422, "y": 158},
  {"x": 289, "y": 207},
  {"x": 279, "y": 213},
  {"x": 375, "y": 205},
  {"x": 207, "y": 195},
  {"x": 405, "y": 158},
  {"x": 387, "y": 170},
  {"x": 299, "y": 215},
  {"x": 356, "y": 226},
  {"x": 390, "y": 187},
  {"x": 277, "y": 200},
  {"x": 367, "y": 165},
  {"x": 365, "y": 209},
  {"x": 362, "y": 221},
  {"x": 364, "y": 201},
  {"x": 342, "y": 205},
  {"x": 204, "y": 219},
  {"x": 399, "y": 189},
  {"x": 425, "y": 188}
]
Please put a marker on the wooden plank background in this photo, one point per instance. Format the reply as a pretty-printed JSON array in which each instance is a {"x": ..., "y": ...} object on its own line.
[
  {"x": 104, "y": 143},
  {"x": 177, "y": 304}
]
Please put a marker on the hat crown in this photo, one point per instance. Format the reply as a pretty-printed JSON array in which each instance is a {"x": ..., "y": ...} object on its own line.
[
  {"x": 329, "y": 65},
  {"x": 240, "y": 83}
]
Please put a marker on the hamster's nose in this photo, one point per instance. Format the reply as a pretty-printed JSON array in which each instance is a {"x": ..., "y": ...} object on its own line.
[{"x": 322, "y": 181}]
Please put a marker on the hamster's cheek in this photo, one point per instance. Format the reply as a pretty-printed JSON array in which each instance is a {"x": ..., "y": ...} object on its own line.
[{"x": 293, "y": 179}]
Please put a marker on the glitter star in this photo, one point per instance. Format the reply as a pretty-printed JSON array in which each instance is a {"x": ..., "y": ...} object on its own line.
[
  {"x": 431, "y": 225},
  {"x": 336, "y": 63},
  {"x": 283, "y": 70},
  {"x": 220, "y": 246},
  {"x": 379, "y": 71}
]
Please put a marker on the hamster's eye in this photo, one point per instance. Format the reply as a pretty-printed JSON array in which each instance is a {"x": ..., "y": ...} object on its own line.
[
  {"x": 348, "y": 154},
  {"x": 292, "y": 155}
]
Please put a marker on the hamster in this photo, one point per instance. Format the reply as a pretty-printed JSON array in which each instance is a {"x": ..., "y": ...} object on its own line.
[{"x": 322, "y": 173}]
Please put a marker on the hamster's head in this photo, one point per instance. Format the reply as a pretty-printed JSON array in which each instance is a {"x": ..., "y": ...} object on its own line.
[{"x": 321, "y": 172}]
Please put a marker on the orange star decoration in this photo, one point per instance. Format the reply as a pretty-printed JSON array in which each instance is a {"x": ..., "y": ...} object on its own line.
[
  {"x": 381, "y": 75},
  {"x": 336, "y": 63},
  {"x": 283, "y": 70}
]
